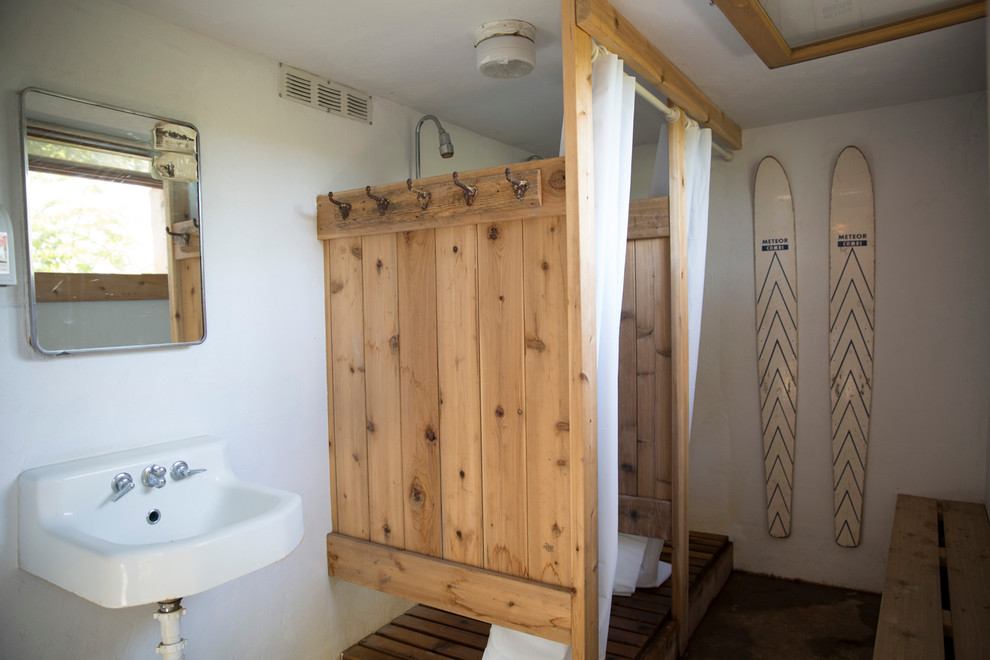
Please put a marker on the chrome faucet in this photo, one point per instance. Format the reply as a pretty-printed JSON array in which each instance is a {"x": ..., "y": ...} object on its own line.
[
  {"x": 153, "y": 476},
  {"x": 180, "y": 470},
  {"x": 121, "y": 484}
]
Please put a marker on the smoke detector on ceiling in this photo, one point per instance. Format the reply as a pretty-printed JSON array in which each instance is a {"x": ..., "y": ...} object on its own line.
[{"x": 505, "y": 48}]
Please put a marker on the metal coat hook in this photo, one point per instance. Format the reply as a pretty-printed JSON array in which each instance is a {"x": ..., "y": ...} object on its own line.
[
  {"x": 345, "y": 208},
  {"x": 178, "y": 234},
  {"x": 470, "y": 192},
  {"x": 424, "y": 196},
  {"x": 381, "y": 201},
  {"x": 519, "y": 185}
]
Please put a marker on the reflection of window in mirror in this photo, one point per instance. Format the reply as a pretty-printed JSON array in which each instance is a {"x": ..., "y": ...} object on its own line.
[
  {"x": 96, "y": 222},
  {"x": 113, "y": 220}
]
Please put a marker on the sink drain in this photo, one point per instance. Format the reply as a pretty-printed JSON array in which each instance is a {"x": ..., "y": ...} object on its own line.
[{"x": 154, "y": 516}]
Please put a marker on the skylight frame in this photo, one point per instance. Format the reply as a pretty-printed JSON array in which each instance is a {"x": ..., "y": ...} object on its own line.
[{"x": 755, "y": 26}]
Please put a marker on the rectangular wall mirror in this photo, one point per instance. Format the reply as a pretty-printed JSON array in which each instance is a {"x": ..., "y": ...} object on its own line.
[{"x": 113, "y": 223}]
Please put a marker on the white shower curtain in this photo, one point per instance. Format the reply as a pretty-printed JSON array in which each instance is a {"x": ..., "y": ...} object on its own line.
[
  {"x": 698, "y": 160},
  {"x": 698, "y": 145},
  {"x": 613, "y": 99}
]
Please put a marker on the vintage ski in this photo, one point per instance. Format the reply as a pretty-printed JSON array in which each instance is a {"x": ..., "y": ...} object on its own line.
[
  {"x": 776, "y": 337},
  {"x": 851, "y": 317}
]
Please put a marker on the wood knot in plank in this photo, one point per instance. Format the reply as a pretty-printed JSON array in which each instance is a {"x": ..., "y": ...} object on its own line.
[
  {"x": 454, "y": 249},
  {"x": 494, "y": 232},
  {"x": 536, "y": 344},
  {"x": 387, "y": 529},
  {"x": 558, "y": 180},
  {"x": 336, "y": 286},
  {"x": 378, "y": 264},
  {"x": 626, "y": 315},
  {"x": 563, "y": 426},
  {"x": 500, "y": 411},
  {"x": 393, "y": 342},
  {"x": 584, "y": 377},
  {"x": 370, "y": 426},
  {"x": 430, "y": 434},
  {"x": 356, "y": 251},
  {"x": 626, "y": 467},
  {"x": 461, "y": 473},
  {"x": 557, "y": 531},
  {"x": 545, "y": 266},
  {"x": 416, "y": 495},
  {"x": 459, "y": 535}
]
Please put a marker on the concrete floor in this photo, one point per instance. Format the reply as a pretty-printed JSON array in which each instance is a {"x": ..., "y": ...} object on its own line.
[{"x": 759, "y": 617}]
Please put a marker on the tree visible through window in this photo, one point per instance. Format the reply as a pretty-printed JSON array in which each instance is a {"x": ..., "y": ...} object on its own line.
[{"x": 94, "y": 210}]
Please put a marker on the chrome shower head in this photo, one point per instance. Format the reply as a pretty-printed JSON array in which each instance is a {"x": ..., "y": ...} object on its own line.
[{"x": 446, "y": 146}]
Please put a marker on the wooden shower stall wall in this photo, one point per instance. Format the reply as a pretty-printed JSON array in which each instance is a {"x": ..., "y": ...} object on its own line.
[
  {"x": 645, "y": 459},
  {"x": 448, "y": 360},
  {"x": 452, "y": 464},
  {"x": 462, "y": 384}
]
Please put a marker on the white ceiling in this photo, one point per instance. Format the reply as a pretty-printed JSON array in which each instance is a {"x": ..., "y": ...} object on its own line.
[{"x": 421, "y": 54}]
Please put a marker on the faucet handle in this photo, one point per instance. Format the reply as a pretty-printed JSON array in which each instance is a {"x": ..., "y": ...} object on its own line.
[
  {"x": 121, "y": 484},
  {"x": 180, "y": 470},
  {"x": 153, "y": 476}
]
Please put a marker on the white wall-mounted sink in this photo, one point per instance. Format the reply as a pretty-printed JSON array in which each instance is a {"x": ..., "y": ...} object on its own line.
[{"x": 152, "y": 544}]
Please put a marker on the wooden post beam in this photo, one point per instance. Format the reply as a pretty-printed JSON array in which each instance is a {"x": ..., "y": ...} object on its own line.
[
  {"x": 581, "y": 340},
  {"x": 680, "y": 374},
  {"x": 611, "y": 29}
]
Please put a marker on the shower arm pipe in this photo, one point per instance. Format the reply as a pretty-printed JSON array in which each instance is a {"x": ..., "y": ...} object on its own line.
[
  {"x": 419, "y": 126},
  {"x": 670, "y": 114}
]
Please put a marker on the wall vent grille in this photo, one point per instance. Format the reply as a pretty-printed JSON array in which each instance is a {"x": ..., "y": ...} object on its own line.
[{"x": 326, "y": 95}]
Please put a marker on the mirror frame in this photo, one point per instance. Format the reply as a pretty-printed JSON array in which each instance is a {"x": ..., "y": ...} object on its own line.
[{"x": 32, "y": 293}]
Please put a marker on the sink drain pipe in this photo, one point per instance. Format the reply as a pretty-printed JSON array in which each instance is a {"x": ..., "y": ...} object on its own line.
[{"x": 168, "y": 614}]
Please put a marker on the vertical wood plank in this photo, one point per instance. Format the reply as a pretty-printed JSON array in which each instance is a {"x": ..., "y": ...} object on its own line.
[
  {"x": 679, "y": 376},
  {"x": 460, "y": 394},
  {"x": 419, "y": 391},
  {"x": 576, "y": 51},
  {"x": 330, "y": 412},
  {"x": 647, "y": 270},
  {"x": 662, "y": 421},
  {"x": 653, "y": 353},
  {"x": 910, "y": 620},
  {"x": 349, "y": 433},
  {"x": 547, "y": 438},
  {"x": 503, "y": 396},
  {"x": 628, "y": 460},
  {"x": 967, "y": 546},
  {"x": 381, "y": 334}
]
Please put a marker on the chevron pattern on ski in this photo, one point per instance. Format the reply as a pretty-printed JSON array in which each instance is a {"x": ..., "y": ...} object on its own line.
[
  {"x": 851, "y": 321},
  {"x": 776, "y": 337}
]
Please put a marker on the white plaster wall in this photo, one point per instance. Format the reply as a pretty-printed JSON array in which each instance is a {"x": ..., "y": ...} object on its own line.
[
  {"x": 931, "y": 393},
  {"x": 259, "y": 380}
]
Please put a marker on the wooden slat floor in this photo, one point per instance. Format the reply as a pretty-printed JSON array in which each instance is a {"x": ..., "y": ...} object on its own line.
[{"x": 640, "y": 626}]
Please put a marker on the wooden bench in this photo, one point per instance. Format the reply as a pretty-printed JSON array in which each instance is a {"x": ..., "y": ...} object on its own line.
[{"x": 936, "y": 598}]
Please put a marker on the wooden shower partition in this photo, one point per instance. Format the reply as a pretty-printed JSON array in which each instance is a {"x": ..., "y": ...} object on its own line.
[
  {"x": 462, "y": 373},
  {"x": 452, "y": 463},
  {"x": 645, "y": 394}
]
